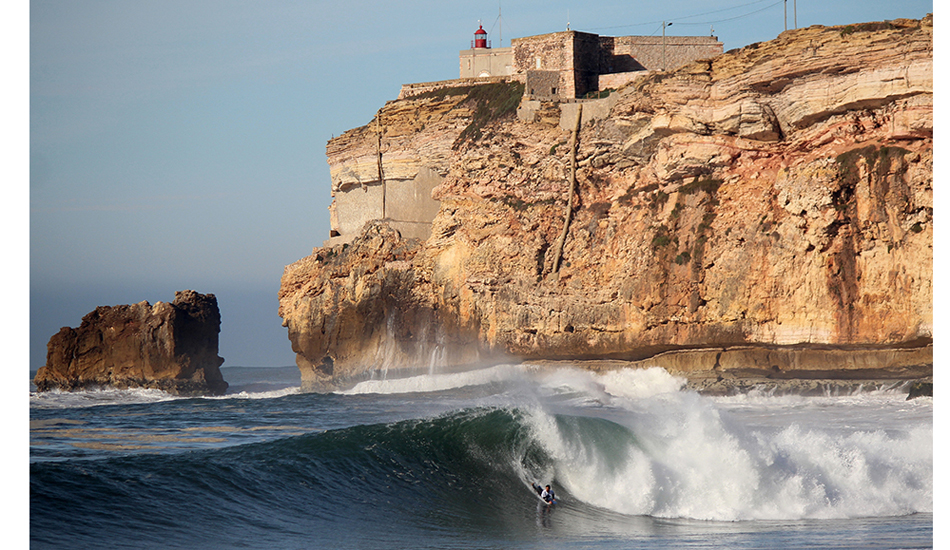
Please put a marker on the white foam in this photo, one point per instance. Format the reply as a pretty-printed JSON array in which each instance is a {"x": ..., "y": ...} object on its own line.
[
  {"x": 685, "y": 457},
  {"x": 270, "y": 394},
  {"x": 640, "y": 383},
  {"x": 57, "y": 399},
  {"x": 438, "y": 382},
  {"x": 626, "y": 383}
]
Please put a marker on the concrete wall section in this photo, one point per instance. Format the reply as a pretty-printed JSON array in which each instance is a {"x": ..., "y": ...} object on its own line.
[
  {"x": 618, "y": 80},
  {"x": 412, "y": 230},
  {"x": 593, "y": 109},
  {"x": 527, "y": 112},
  {"x": 411, "y": 201},
  {"x": 409, "y": 207},
  {"x": 356, "y": 206}
]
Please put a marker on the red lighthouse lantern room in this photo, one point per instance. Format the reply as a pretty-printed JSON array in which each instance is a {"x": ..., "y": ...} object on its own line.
[{"x": 481, "y": 38}]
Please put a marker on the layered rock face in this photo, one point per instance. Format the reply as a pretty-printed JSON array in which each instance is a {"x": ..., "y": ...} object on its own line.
[
  {"x": 168, "y": 346},
  {"x": 767, "y": 211}
]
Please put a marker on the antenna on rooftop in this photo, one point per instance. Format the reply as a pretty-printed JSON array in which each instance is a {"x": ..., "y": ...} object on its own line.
[{"x": 794, "y": 13}]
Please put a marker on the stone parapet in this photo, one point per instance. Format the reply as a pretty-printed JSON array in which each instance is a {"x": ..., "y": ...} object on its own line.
[
  {"x": 411, "y": 90},
  {"x": 664, "y": 53}
]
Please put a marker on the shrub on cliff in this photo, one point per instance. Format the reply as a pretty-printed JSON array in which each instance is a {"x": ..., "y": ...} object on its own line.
[{"x": 491, "y": 102}]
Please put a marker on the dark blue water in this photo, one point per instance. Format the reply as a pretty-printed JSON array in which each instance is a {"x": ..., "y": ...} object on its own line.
[{"x": 445, "y": 462}]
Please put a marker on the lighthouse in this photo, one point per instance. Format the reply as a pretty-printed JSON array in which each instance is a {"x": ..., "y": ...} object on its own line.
[
  {"x": 481, "y": 60},
  {"x": 481, "y": 38}
]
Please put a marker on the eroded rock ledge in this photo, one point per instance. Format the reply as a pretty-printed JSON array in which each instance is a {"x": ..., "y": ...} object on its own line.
[
  {"x": 775, "y": 198},
  {"x": 168, "y": 346},
  {"x": 802, "y": 371}
]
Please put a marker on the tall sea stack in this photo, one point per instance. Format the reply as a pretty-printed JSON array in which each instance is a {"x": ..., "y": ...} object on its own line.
[{"x": 168, "y": 346}]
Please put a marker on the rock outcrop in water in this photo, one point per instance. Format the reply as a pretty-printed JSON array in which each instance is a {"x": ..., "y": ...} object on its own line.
[
  {"x": 768, "y": 213},
  {"x": 168, "y": 346}
]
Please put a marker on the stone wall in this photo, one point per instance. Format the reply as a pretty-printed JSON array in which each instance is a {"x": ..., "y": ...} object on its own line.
[
  {"x": 617, "y": 62},
  {"x": 543, "y": 84},
  {"x": 411, "y": 90},
  {"x": 549, "y": 52},
  {"x": 588, "y": 62},
  {"x": 583, "y": 58},
  {"x": 633, "y": 52}
]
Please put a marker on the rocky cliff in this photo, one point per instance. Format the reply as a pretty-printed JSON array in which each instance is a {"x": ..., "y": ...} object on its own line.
[
  {"x": 168, "y": 346},
  {"x": 768, "y": 211}
]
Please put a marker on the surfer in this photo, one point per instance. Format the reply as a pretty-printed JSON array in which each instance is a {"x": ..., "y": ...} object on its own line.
[{"x": 546, "y": 494}]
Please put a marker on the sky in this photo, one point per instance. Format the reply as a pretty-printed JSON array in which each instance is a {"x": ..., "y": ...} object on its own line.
[{"x": 181, "y": 144}]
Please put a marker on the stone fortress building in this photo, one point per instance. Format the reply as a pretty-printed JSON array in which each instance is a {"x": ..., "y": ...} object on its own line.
[
  {"x": 570, "y": 64},
  {"x": 561, "y": 67}
]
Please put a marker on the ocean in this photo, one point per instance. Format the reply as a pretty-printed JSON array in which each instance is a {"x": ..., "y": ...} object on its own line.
[{"x": 446, "y": 460}]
